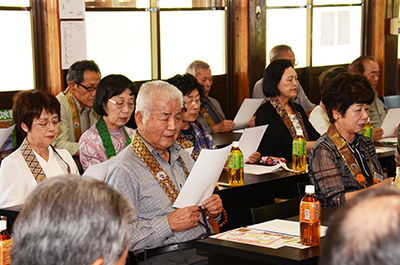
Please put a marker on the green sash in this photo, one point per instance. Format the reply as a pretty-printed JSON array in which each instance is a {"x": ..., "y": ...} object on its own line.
[{"x": 106, "y": 138}]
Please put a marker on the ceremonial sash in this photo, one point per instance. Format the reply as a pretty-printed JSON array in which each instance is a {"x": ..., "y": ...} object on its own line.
[
  {"x": 347, "y": 155},
  {"x": 33, "y": 163},
  {"x": 75, "y": 114},
  {"x": 285, "y": 117},
  {"x": 106, "y": 138},
  {"x": 186, "y": 144},
  {"x": 203, "y": 112},
  {"x": 151, "y": 163}
]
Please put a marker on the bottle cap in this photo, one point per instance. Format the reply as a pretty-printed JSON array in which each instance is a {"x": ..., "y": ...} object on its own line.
[
  {"x": 310, "y": 189},
  {"x": 3, "y": 225},
  {"x": 299, "y": 132},
  {"x": 235, "y": 144}
]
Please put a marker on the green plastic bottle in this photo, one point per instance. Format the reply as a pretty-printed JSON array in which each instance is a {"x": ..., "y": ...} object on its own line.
[
  {"x": 368, "y": 130},
  {"x": 299, "y": 154},
  {"x": 235, "y": 165}
]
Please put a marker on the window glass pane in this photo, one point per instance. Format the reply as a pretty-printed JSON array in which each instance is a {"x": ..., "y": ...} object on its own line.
[
  {"x": 175, "y": 3},
  {"x": 23, "y": 3},
  {"x": 286, "y": 2},
  {"x": 289, "y": 33},
  {"x": 187, "y": 36},
  {"x": 336, "y": 35},
  {"x": 120, "y": 43},
  {"x": 16, "y": 67},
  {"x": 336, "y": 2},
  {"x": 117, "y": 3}
]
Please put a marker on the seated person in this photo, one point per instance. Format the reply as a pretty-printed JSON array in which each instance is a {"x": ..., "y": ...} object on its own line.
[
  {"x": 365, "y": 230},
  {"x": 283, "y": 116},
  {"x": 318, "y": 116},
  {"x": 342, "y": 162},
  {"x": 72, "y": 220},
  {"x": 115, "y": 102},
  {"x": 76, "y": 102},
  {"x": 284, "y": 52},
  {"x": 37, "y": 115},
  {"x": 211, "y": 115},
  {"x": 192, "y": 132},
  {"x": 151, "y": 172},
  {"x": 369, "y": 67}
]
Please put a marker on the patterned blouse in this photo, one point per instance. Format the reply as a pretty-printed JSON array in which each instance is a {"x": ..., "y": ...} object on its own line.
[
  {"x": 91, "y": 148},
  {"x": 203, "y": 139}
]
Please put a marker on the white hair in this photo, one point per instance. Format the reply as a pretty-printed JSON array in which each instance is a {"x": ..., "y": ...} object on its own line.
[
  {"x": 191, "y": 69},
  {"x": 151, "y": 92}
]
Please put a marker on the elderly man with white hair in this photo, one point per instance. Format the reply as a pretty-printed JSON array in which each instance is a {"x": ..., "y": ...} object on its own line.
[{"x": 151, "y": 173}]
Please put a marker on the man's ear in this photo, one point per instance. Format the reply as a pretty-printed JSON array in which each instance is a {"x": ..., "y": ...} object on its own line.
[
  {"x": 24, "y": 127},
  {"x": 72, "y": 86},
  {"x": 336, "y": 114},
  {"x": 99, "y": 261},
  {"x": 139, "y": 119}
]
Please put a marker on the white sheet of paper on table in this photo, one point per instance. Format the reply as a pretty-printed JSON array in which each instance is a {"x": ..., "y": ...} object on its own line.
[
  {"x": 283, "y": 227},
  {"x": 259, "y": 169},
  {"x": 204, "y": 176}
]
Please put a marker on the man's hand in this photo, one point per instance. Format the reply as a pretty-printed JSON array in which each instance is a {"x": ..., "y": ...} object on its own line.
[
  {"x": 377, "y": 134},
  {"x": 184, "y": 219},
  {"x": 223, "y": 126},
  {"x": 252, "y": 122},
  {"x": 213, "y": 205}
]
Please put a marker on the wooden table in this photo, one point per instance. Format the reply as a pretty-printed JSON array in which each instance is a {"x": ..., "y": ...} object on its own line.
[{"x": 233, "y": 253}]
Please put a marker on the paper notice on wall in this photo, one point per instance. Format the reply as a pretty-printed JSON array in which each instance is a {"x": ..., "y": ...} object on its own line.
[
  {"x": 72, "y": 9},
  {"x": 327, "y": 28},
  {"x": 73, "y": 42},
  {"x": 343, "y": 28}
]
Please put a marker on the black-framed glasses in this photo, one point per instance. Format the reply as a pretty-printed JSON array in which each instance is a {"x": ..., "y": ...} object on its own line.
[{"x": 89, "y": 89}]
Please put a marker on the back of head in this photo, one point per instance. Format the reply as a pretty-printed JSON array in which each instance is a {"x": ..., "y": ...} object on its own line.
[
  {"x": 276, "y": 52},
  {"x": 152, "y": 92},
  {"x": 186, "y": 84},
  {"x": 110, "y": 86},
  {"x": 191, "y": 69},
  {"x": 71, "y": 220},
  {"x": 77, "y": 69},
  {"x": 343, "y": 91},
  {"x": 365, "y": 230},
  {"x": 273, "y": 75},
  {"x": 357, "y": 66}
]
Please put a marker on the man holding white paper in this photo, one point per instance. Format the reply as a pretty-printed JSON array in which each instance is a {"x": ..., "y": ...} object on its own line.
[{"x": 151, "y": 174}]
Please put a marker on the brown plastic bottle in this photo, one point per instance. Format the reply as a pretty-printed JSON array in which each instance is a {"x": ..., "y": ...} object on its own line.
[
  {"x": 310, "y": 223},
  {"x": 5, "y": 244}
]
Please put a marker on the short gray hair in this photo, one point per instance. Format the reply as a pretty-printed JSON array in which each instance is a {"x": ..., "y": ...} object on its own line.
[
  {"x": 71, "y": 220},
  {"x": 191, "y": 69},
  {"x": 152, "y": 91},
  {"x": 276, "y": 52}
]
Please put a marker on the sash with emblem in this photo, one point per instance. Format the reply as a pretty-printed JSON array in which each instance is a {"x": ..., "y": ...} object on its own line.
[
  {"x": 203, "y": 112},
  {"x": 345, "y": 151},
  {"x": 75, "y": 114}
]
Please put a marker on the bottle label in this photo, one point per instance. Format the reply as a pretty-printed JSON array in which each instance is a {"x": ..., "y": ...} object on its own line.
[
  {"x": 309, "y": 212},
  {"x": 5, "y": 251},
  {"x": 299, "y": 148},
  {"x": 236, "y": 161}
]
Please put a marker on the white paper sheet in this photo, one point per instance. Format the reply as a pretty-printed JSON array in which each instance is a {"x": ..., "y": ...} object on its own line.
[
  {"x": 390, "y": 140},
  {"x": 189, "y": 150},
  {"x": 246, "y": 111},
  {"x": 4, "y": 134},
  {"x": 259, "y": 169},
  {"x": 98, "y": 171},
  {"x": 283, "y": 227},
  {"x": 390, "y": 123},
  {"x": 250, "y": 140},
  {"x": 203, "y": 177}
]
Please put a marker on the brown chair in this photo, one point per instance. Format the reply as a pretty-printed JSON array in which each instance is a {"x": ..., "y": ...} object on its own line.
[{"x": 280, "y": 210}]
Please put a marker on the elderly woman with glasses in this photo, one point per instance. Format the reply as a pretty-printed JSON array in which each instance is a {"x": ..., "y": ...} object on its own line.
[
  {"x": 37, "y": 115},
  {"x": 193, "y": 133},
  {"x": 115, "y": 101}
]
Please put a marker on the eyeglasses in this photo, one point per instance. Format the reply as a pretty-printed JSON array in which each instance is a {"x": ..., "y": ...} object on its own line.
[
  {"x": 89, "y": 89},
  {"x": 192, "y": 102},
  {"x": 121, "y": 104},
  {"x": 44, "y": 124}
]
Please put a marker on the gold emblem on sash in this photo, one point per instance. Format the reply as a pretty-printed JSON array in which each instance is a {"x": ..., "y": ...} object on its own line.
[{"x": 75, "y": 115}]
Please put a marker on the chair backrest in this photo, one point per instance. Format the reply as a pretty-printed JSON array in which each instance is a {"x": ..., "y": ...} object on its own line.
[
  {"x": 392, "y": 102},
  {"x": 280, "y": 210}
]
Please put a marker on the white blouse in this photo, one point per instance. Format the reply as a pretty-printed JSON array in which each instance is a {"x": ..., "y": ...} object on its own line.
[{"x": 17, "y": 181}]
